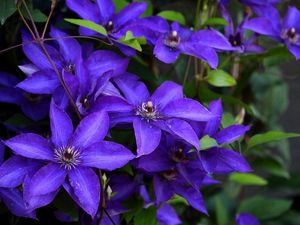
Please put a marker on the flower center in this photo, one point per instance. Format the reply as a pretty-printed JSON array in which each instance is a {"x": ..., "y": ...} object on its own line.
[
  {"x": 70, "y": 68},
  {"x": 109, "y": 26},
  {"x": 179, "y": 156},
  {"x": 172, "y": 40},
  {"x": 85, "y": 103},
  {"x": 235, "y": 40},
  {"x": 68, "y": 157},
  {"x": 148, "y": 111},
  {"x": 170, "y": 174},
  {"x": 291, "y": 35}
]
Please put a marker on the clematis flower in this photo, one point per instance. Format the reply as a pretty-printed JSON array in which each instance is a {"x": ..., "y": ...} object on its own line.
[
  {"x": 172, "y": 40},
  {"x": 166, "y": 110},
  {"x": 237, "y": 36},
  {"x": 41, "y": 77},
  {"x": 35, "y": 107},
  {"x": 71, "y": 155},
  {"x": 246, "y": 219},
  {"x": 287, "y": 32},
  {"x": 175, "y": 170},
  {"x": 220, "y": 160},
  {"x": 103, "y": 12}
]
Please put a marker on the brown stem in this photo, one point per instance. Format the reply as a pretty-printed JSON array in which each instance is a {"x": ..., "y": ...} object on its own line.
[
  {"x": 48, "y": 20},
  {"x": 25, "y": 22},
  {"x": 31, "y": 19}
]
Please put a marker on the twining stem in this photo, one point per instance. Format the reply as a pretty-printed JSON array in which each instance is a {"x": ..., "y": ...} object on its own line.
[
  {"x": 31, "y": 19},
  {"x": 53, "y": 5}
]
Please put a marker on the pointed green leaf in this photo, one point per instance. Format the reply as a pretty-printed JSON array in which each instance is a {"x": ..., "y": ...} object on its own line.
[
  {"x": 215, "y": 21},
  {"x": 270, "y": 136},
  {"x": 220, "y": 78},
  {"x": 247, "y": 179},
  {"x": 88, "y": 24},
  {"x": 131, "y": 41},
  {"x": 172, "y": 16}
]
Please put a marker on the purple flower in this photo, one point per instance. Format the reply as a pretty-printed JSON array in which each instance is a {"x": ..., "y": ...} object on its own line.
[
  {"x": 219, "y": 160},
  {"x": 287, "y": 32},
  {"x": 246, "y": 219},
  {"x": 236, "y": 36},
  {"x": 35, "y": 107},
  {"x": 172, "y": 40},
  {"x": 103, "y": 12},
  {"x": 43, "y": 80},
  {"x": 166, "y": 110},
  {"x": 175, "y": 170},
  {"x": 71, "y": 154}
]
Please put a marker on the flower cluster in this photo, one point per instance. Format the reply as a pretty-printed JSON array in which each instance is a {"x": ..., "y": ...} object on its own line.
[{"x": 168, "y": 157}]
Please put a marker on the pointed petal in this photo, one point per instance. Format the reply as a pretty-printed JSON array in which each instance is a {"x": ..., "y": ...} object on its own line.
[
  {"x": 36, "y": 55},
  {"x": 168, "y": 91},
  {"x": 147, "y": 136},
  {"x": 163, "y": 190},
  {"x": 85, "y": 9},
  {"x": 165, "y": 53},
  {"x": 193, "y": 196},
  {"x": 69, "y": 47},
  {"x": 91, "y": 129},
  {"x": 183, "y": 130},
  {"x": 112, "y": 104},
  {"x": 157, "y": 161},
  {"x": 291, "y": 19},
  {"x": 106, "y": 155},
  {"x": 200, "y": 51},
  {"x": 212, "y": 126},
  {"x": 187, "y": 109},
  {"x": 13, "y": 199},
  {"x": 14, "y": 170},
  {"x": 86, "y": 187},
  {"x": 212, "y": 38},
  {"x": 129, "y": 13},
  {"x": 47, "y": 179},
  {"x": 107, "y": 9},
  {"x": 166, "y": 215},
  {"x": 230, "y": 134},
  {"x": 31, "y": 146},
  {"x": 41, "y": 82},
  {"x": 295, "y": 50},
  {"x": 102, "y": 61},
  {"x": 260, "y": 25},
  {"x": 61, "y": 126},
  {"x": 134, "y": 91},
  {"x": 223, "y": 161},
  {"x": 36, "y": 201}
]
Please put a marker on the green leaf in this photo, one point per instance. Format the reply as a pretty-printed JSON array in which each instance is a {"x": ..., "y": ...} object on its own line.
[
  {"x": 7, "y": 8},
  {"x": 221, "y": 211},
  {"x": 88, "y": 24},
  {"x": 146, "y": 216},
  {"x": 172, "y": 16},
  {"x": 265, "y": 208},
  {"x": 215, "y": 21},
  {"x": 272, "y": 165},
  {"x": 270, "y": 136},
  {"x": 36, "y": 14},
  {"x": 120, "y": 4},
  {"x": 220, "y": 78},
  {"x": 131, "y": 41},
  {"x": 176, "y": 199},
  {"x": 247, "y": 179},
  {"x": 207, "y": 142}
]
